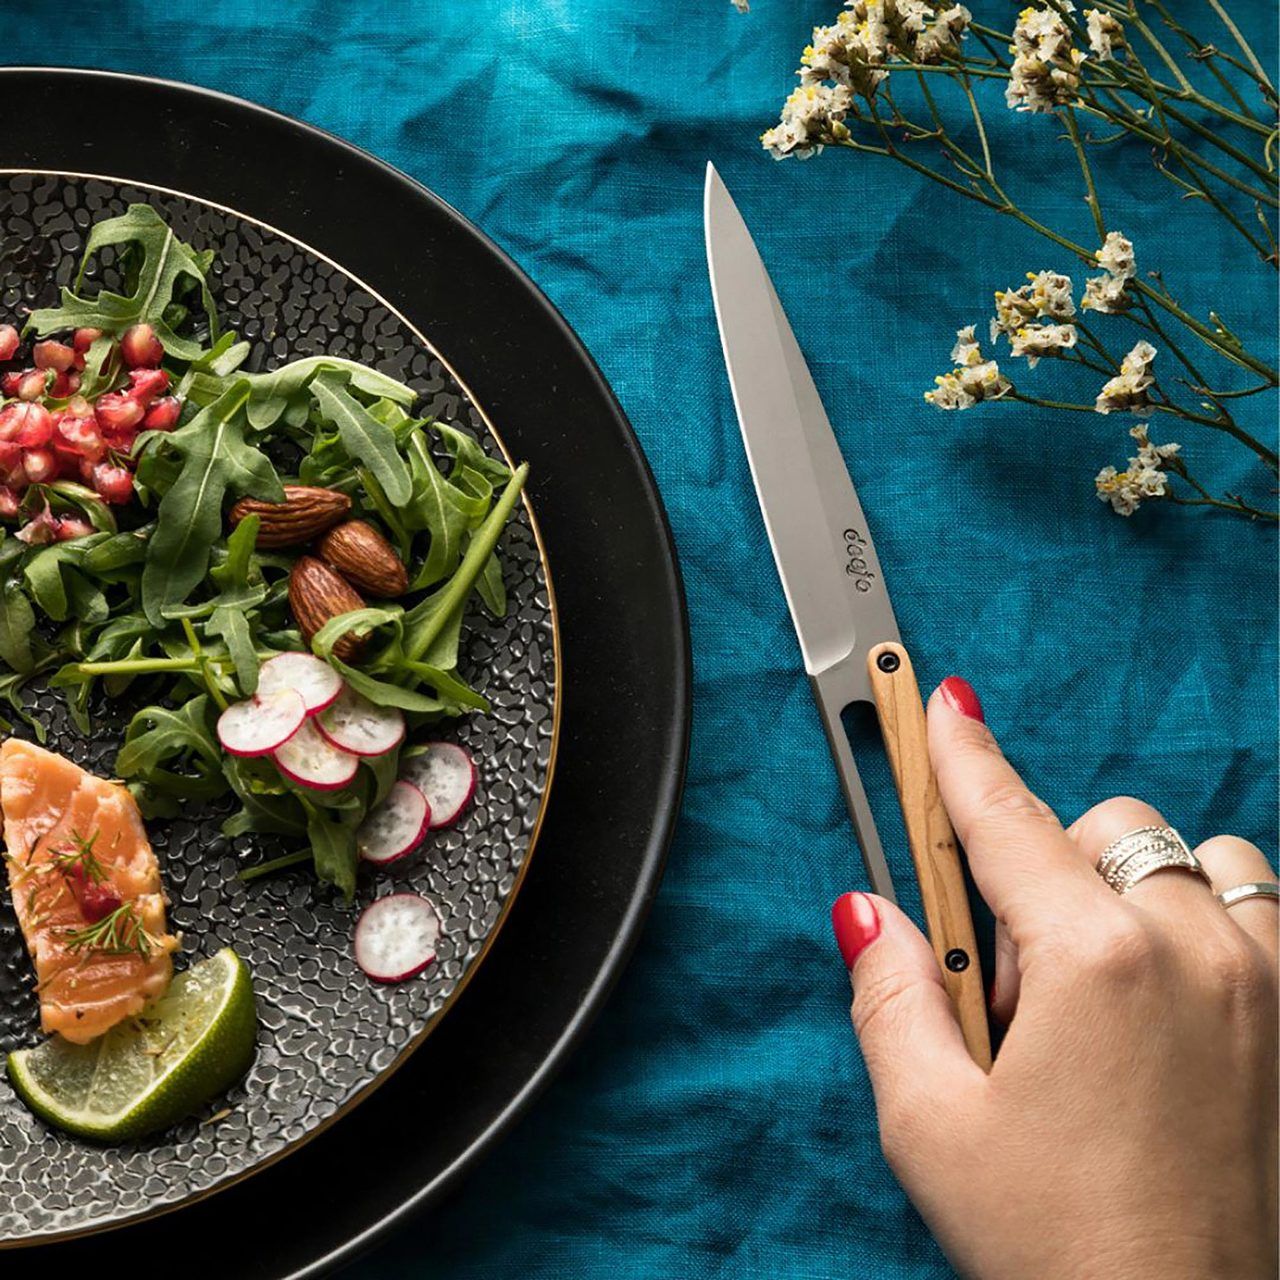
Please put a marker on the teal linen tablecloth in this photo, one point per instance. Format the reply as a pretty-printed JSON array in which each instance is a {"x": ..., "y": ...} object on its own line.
[{"x": 718, "y": 1122}]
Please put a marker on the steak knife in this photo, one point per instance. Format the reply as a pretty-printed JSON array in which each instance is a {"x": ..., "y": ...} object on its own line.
[{"x": 835, "y": 590}]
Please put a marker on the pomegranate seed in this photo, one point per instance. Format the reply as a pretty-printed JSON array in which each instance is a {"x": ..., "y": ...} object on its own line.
[
  {"x": 54, "y": 355},
  {"x": 163, "y": 415},
  {"x": 28, "y": 425},
  {"x": 8, "y": 503},
  {"x": 16, "y": 477},
  {"x": 97, "y": 899},
  {"x": 32, "y": 384},
  {"x": 79, "y": 436},
  {"x": 65, "y": 384},
  {"x": 8, "y": 341},
  {"x": 39, "y": 531},
  {"x": 140, "y": 346},
  {"x": 83, "y": 339},
  {"x": 10, "y": 456},
  {"x": 73, "y": 527},
  {"x": 118, "y": 412},
  {"x": 40, "y": 465},
  {"x": 146, "y": 384},
  {"x": 10, "y": 382},
  {"x": 114, "y": 484}
]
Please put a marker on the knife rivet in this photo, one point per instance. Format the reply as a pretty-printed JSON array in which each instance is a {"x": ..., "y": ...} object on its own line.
[
  {"x": 888, "y": 661},
  {"x": 957, "y": 960}
]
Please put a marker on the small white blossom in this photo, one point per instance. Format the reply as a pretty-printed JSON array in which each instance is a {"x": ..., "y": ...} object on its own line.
[
  {"x": 1037, "y": 340},
  {"x": 1047, "y": 295},
  {"x": 1109, "y": 293},
  {"x": 850, "y": 52},
  {"x": 1128, "y": 389},
  {"x": 812, "y": 116},
  {"x": 1105, "y": 33},
  {"x": 972, "y": 379},
  {"x": 1045, "y": 73},
  {"x": 966, "y": 351},
  {"x": 1143, "y": 478},
  {"x": 1116, "y": 256},
  {"x": 742, "y": 6}
]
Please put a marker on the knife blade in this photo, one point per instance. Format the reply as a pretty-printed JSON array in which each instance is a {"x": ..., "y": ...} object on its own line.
[{"x": 835, "y": 591}]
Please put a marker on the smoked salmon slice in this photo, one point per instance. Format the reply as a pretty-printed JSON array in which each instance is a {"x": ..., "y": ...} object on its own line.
[{"x": 86, "y": 890}]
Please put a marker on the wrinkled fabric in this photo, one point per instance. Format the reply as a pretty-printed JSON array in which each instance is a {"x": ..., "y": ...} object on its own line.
[{"x": 718, "y": 1121}]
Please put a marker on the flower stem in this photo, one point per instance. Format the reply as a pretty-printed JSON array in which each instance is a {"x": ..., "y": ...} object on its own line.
[{"x": 1073, "y": 129}]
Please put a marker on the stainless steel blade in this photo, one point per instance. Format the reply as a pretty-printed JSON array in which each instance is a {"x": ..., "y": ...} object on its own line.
[
  {"x": 830, "y": 572},
  {"x": 825, "y": 557}
]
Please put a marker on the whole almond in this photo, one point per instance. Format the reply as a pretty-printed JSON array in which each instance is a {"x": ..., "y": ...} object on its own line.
[
  {"x": 317, "y": 594},
  {"x": 365, "y": 558},
  {"x": 305, "y": 512}
]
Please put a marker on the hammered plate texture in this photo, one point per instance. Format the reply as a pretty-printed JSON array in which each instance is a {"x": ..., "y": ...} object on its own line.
[{"x": 327, "y": 1034}]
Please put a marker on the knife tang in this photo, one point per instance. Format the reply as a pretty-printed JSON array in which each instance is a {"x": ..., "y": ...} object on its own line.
[{"x": 931, "y": 840}]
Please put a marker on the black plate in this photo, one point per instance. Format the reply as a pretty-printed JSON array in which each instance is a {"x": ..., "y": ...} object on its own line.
[
  {"x": 623, "y": 633},
  {"x": 326, "y": 1034}
]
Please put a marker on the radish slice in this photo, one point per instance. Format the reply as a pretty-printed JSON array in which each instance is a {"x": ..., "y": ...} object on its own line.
[
  {"x": 396, "y": 826},
  {"x": 312, "y": 677},
  {"x": 445, "y": 774},
  {"x": 396, "y": 937},
  {"x": 257, "y": 726},
  {"x": 310, "y": 759},
  {"x": 362, "y": 727}
]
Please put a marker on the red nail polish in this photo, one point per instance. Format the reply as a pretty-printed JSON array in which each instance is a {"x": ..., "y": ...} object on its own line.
[
  {"x": 959, "y": 696},
  {"x": 857, "y": 925}
]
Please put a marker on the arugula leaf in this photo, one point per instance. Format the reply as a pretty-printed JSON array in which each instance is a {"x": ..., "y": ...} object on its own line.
[
  {"x": 283, "y": 393},
  {"x": 358, "y": 621},
  {"x": 165, "y": 262},
  {"x": 172, "y": 756},
  {"x": 266, "y": 804},
  {"x": 440, "y": 508},
  {"x": 333, "y": 846},
  {"x": 17, "y": 622},
  {"x": 67, "y": 493},
  {"x": 365, "y": 439},
  {"x": 231, "y": 625},
  {"x": 216, "y": 460},
  {"x": 234, "y": 571},
  {"x": 466, "y": 452},
  {"x": 384, "y": 693}
]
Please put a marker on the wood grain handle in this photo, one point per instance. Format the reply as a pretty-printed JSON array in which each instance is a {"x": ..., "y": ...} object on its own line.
[{"x": 931, "y": 840}]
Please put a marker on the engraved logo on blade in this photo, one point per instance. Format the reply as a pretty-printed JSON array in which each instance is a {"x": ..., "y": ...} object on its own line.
[{"x": 856, "y": 567}]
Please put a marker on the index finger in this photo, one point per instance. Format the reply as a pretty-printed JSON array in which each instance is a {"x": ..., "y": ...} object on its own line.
[{"x": 1021, "y": 858}]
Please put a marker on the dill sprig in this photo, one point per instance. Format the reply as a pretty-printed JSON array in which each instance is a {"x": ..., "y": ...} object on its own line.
[{"x": 119, "y": 933}]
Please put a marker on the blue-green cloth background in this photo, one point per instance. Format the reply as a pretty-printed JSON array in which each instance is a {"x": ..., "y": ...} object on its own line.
[{"x": 718, "y": 1122}]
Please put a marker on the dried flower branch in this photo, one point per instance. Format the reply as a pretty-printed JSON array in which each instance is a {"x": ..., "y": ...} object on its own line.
[{"x": 1106, "y": 67}]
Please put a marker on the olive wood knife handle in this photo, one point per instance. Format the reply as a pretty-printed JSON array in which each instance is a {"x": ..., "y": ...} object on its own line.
[{"x": 931, "y": 840}]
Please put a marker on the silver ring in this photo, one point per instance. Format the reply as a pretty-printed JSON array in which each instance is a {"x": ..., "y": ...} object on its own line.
[
  {"x": 1254, "y": 889},
  {"x": 1144, "y": 851}
]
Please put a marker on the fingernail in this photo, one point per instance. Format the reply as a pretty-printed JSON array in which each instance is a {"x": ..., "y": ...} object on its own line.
[
  {"x": 854, "y": 918},
  {"x": 958, "y": 694}
]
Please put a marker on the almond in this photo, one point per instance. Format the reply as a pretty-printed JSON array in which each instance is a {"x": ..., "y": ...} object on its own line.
[
  {"x": 305, "y": 512},
  {"x": 365, "y": 558},
  {"x": 317, "y": 594}
]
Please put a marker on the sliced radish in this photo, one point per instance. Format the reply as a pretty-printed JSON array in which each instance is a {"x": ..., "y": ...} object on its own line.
[
  {"x": 362, "y": 727},
  {"x": 310, "y": 759},
  {"x": 312, "y": 677},
  {"x": 258, "y": 725},
  {"x": 396, "y": 937},
  {"x": 446, "y": 775},
  {"x": 396, "y": 826}
]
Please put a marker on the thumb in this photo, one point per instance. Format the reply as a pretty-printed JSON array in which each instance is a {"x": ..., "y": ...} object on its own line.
[{"x": 914, "y": 1050}]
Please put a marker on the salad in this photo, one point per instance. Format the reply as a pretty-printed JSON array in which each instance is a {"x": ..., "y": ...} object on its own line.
[{"x": 268, "y": 570}]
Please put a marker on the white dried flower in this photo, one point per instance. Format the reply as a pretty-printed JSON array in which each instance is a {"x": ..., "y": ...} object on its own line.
[
  {"x": 1037, "y": 340},
  {"x": 1045, "y": 73},
  {"x": 966, "y": 351},
  {"x": 1143, "y": 478},
  {"x": 742, "y": 6},
  {"x": 851, "y": 52},
  {"x": 1105, "y": 33},
  {"x": 812, "y": 116},
  {"x": 1116, "y": 256},
  {"x": 1128, "y": 389},
  {"x": 1047, "y": 295},
  {"x": 935, "y": 36},
  {"x": 972, "y": 380}
]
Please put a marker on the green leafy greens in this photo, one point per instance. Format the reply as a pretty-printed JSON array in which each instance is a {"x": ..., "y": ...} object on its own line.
[{"x": 175, "y": 613}]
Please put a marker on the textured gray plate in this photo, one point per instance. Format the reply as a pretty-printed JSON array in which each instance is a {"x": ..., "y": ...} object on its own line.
[{"x": 327, "y": 1035}]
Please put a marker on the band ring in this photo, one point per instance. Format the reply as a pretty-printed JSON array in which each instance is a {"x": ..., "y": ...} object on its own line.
[
  {"x": 1253, "y": 889},
  {"x": 1144, "y": 851}
]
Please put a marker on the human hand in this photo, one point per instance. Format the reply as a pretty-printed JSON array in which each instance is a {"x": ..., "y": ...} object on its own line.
[{"x": 1128, "y": 1128}]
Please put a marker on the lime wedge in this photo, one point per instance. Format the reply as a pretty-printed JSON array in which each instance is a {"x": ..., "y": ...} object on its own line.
[{"x": 151, "y": 1070}]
